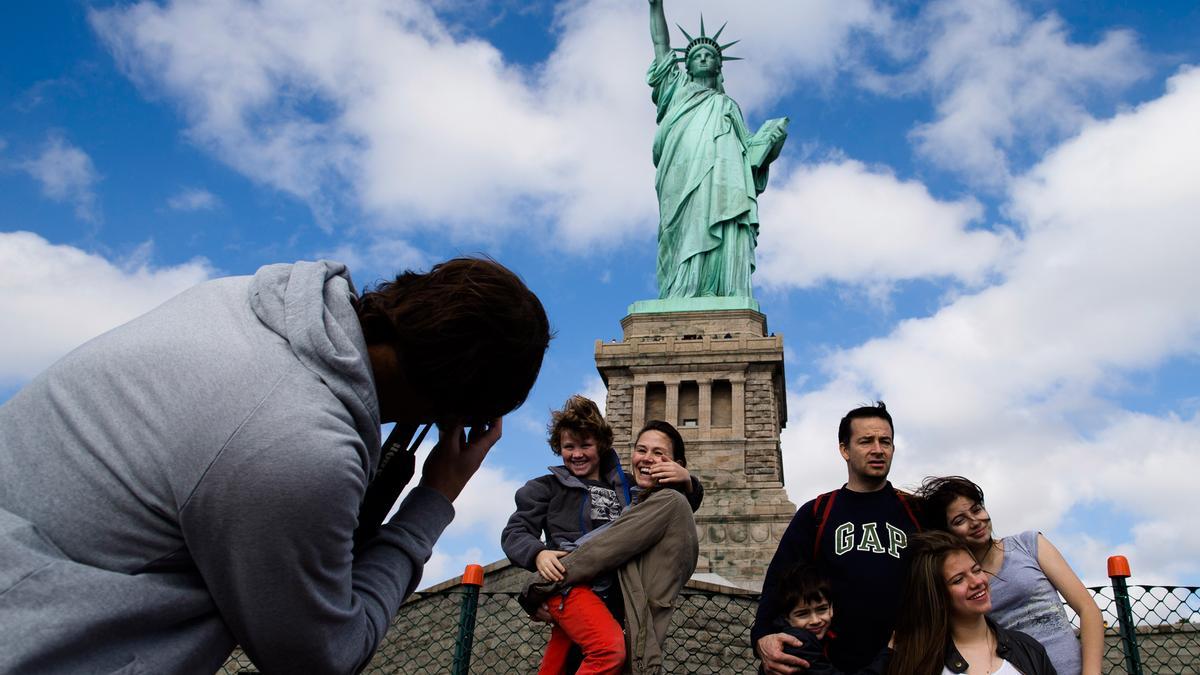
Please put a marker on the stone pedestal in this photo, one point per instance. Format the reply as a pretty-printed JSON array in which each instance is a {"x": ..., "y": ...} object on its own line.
[{"x": 718, "y": 377}]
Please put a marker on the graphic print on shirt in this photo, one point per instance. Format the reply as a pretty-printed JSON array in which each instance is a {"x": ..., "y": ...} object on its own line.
[
  {"x": 848, "y": 537},
  {"x": 605, "y": 505},
  {"x": 1039, "y": 616}
]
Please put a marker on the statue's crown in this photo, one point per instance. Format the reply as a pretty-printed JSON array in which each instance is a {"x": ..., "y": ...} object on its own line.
[{"x": 695, "y": 43}]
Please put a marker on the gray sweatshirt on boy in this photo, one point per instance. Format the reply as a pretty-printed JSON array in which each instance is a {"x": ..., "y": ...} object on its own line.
[{"x": 192, "y": 479}]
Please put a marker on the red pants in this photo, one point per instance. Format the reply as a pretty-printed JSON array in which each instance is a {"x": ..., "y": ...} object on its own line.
[{"x": 581, "y": 618}]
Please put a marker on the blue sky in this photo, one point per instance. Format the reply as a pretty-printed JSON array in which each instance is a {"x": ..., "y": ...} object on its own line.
[{"x": 985, "y": 213}]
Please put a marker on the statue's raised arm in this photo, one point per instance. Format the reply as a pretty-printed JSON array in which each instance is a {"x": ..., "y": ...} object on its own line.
[
  {"x": 659, "y": 33},
  {"x": 711, "y": 168}
]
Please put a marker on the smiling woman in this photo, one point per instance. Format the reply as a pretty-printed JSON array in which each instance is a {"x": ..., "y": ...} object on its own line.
[
  {"x": 658, "y": 457},
  {"x": 943, "y": 627}
]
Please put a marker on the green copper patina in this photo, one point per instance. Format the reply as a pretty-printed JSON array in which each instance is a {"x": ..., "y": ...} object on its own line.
[
  {"x": 693, "y": 304},
  {"x": 711, "y": 169}
]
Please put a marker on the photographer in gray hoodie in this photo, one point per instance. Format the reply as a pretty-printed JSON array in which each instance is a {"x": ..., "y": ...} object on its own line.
[{"x": 193, "y": 479}]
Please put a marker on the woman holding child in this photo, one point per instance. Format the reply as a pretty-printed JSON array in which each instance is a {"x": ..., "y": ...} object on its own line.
[
  {"x": 1027, "y": 576},
  {"x": 943, "y": 627},
  {"x": 580, "y": 500}
]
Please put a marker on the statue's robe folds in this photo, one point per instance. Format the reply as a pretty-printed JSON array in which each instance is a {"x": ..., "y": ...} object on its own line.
[{"x": 711, "y": 170}]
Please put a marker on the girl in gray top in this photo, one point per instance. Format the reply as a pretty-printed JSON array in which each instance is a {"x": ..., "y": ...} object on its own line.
[{"x": 1028, "y": 575}]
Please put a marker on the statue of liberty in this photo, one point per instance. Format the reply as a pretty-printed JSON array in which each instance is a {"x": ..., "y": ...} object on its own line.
[{"x": 710, "y": 169}]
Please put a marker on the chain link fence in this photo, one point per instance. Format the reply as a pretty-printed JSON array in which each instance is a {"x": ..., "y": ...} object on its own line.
[
  {"x": 710, "y": 634},
  {"x": 1166, "y": 628}
]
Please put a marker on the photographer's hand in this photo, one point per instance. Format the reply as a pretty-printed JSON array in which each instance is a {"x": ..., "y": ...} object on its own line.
[{"x": 457, "y": 457}]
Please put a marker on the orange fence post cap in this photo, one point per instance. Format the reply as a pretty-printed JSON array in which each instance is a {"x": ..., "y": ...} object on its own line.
[
  {"x": 473, "y": 575},
  {"x": 1118, "y": 566}
]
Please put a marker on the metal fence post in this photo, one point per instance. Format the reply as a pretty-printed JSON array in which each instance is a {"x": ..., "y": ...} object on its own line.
[
  {"x": 472, "y": 580},
  {"x": 1118, "y": 571}
]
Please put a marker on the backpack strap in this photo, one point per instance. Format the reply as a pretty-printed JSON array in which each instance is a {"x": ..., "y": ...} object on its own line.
[
  {"x": 822, "y": 516},
  {"x": 624, "y": 486},
  {"x": 903, "y": 497}
]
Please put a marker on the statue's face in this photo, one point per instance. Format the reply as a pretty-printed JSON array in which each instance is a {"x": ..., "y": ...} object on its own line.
[{"x": 703, "y": 61}]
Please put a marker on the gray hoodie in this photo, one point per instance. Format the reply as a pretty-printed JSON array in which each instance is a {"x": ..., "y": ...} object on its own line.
[{"x": 192, "y": 479}]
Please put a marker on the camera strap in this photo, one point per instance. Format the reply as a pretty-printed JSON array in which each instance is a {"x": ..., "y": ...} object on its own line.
[{"x": 397, "y": 463}]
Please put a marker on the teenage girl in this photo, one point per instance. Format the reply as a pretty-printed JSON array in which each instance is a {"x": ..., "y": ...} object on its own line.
[{"x": 943, "y": 626}]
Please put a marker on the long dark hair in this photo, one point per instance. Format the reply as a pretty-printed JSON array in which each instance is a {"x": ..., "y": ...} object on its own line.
[
  {"x": 923, "y": 625},
  {"x": 938, "y": 492}
]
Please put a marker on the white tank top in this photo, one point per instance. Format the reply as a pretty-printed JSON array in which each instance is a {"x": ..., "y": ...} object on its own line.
[{"x": 1005, "y": 668}]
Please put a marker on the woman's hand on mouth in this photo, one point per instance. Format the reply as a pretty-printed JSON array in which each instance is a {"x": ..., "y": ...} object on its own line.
[{"x": 669, "y": 472}]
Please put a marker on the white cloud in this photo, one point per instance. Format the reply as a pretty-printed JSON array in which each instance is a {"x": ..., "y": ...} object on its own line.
[
  {"x": 444, "y": 565},
  {"x": 1011, "y": 385},
  {"x": 528, "y": 422},
  {"x": 54, "y": 298},
  {"x": 480, "y": 513},
  {"x": 378, "y": 259},
  {"x": 844, "y": 222},
  {"x": 1001, "y": 79},
  {"x": 66, "y": 174},
  {"x": 193, "y": 199},
  {"x": 376, "y": 104},
  {"x": 593, "y": 388},
  {"x": 786, "y": 44},
  {"x": 1144, "y": 465},
  {"x": 484, "y": 505}
]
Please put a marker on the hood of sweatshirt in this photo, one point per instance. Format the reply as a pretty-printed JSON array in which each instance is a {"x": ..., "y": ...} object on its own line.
[{"x": 311, "y": 306}]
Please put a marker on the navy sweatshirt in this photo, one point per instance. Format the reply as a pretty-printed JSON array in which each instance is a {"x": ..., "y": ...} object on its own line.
[{"x": 863, "y": 553}]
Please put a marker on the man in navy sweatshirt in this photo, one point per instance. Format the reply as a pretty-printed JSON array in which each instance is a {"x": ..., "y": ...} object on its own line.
[{"x": 857, "y": 536}]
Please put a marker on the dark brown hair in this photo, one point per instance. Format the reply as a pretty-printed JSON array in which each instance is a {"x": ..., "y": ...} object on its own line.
[
  {"x": 878, "y": 410},
  {"x": 469, "y": 334},
  {"x": 581, "y": 416},
  {"x": 803, "y": 583},
  {"x": 938, "y": 492},
  {"x": 672, "y": 433},
  {"x": 923, "y": 624}
]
